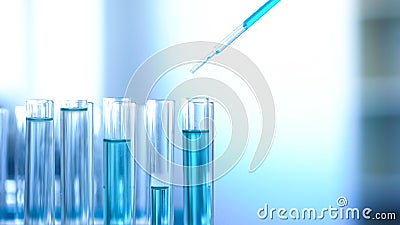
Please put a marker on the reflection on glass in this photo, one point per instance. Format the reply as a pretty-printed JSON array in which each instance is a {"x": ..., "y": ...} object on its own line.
[
  {"x": 3, "y": 161},
  {"x": 19, "y": 165}
]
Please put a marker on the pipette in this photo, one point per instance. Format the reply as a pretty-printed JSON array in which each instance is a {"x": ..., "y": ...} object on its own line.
[{"x": 237, "y": 32}]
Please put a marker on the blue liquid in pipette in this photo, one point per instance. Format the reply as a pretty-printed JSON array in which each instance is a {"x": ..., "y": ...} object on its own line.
[
  {"x": 118, "y": 171},
  {"x": 231, "y": 37},
  {"x": 259, "y": 13},
  {"x": 197, "y": 197},
  {"x": 160, "y": 204}
]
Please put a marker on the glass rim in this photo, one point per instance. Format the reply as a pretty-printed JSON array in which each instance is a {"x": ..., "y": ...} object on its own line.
[
  {"x": 199, "y": 100},
  {"x": 39, "y": 101},
  {"x": 75, "y": 104},
  {"x": 160, "y": 100},
  {"x": 121, "y": 101},
  {"x": 39, "y": 109},
  {"x": 117, "y": 99}
]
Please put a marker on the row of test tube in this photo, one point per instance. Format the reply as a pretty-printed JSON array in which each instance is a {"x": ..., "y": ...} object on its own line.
[{"x": 133, "y": 134}]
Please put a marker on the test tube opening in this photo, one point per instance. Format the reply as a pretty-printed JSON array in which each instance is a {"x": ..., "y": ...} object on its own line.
[{"x": 39, "y": 109}]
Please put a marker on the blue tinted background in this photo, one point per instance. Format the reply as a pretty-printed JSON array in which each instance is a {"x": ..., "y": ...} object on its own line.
[{"x": 332, "y": 67}]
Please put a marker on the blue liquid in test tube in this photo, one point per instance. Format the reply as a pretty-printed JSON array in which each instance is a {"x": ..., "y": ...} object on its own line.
[
  {"x": 118, "y": 180},
  {"x": 160, "y": 205},
  {"x": 198, "y": 156},
  {"x": 159, "y": 128},
  {"x": 197, "y": 197},
  {"x": 118, "y": 161}
]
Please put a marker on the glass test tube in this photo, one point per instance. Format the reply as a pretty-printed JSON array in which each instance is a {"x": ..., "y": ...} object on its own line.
[
  {"x": 98, "y": 176},
  {"x": 142, "y": 166},
  {"x": 19, "y": 162},
  {"x": 3, "y": 161},
  {"x": 39, "y": 169},
  {"x": 118, "y": 161},
  {"x": 76, "y": 162},
  {"x": 198, "y": 154},
  {"x": 160, "y": 115}
]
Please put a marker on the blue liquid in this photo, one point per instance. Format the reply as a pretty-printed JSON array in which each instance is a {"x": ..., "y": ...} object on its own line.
[
  {"x": 39, "y": 184},
  {"x": 160, "y": 203},
  {"x": 119, "y": 192},
  {"x": 197, "y": 197},
  {"x": 259, "y": 13}
]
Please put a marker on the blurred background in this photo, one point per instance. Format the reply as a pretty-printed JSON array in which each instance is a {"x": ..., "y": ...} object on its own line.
[{"x": 332, "y": 66}]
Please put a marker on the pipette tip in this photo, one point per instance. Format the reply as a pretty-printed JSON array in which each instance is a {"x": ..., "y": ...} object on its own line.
[{"x": 199, "y": 65}]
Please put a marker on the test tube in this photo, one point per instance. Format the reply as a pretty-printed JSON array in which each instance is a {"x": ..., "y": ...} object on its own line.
[
  {"x": 39, "y": 169},
  {"x": 198, "y": 155},
  {"x": 3, "y": 161},
  {"x": 76, "y": 162},
  {"x": 19, "y": 162},
  {"x": 118, "y": 161},
  {"x": 142, "y": 169},
  {"x": 160, "y": 115},
  {"x": 98, "y": 176}
]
